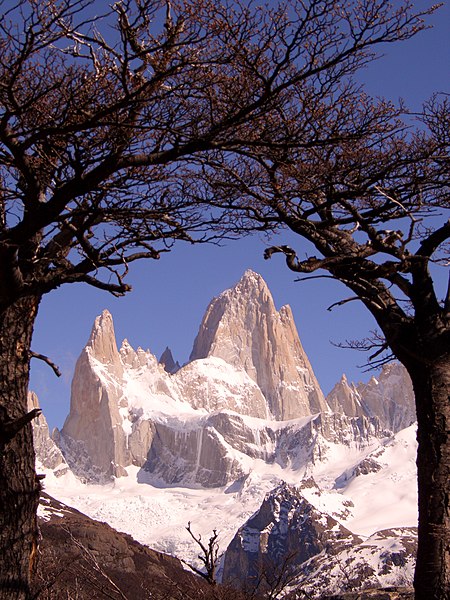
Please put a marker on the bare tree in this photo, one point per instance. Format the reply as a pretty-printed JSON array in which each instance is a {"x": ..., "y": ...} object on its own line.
[
  {"x": 276, "y": 577},
  {"x": 372, "y": 212},
  {"x": 209, "y": 555},
  {"x": 108, "y": 117}
]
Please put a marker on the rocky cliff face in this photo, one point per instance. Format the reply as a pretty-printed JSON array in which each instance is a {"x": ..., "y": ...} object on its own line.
[
  {"x": 111, "y": 391},
  {"x": 243, "y": 327},
  {"x": 269, "y": 549},
  {"x": 290, "y": 544},
  {"x": 389, "y": 396},
  {"x": 216, "y": 450},
  {"x": 248, "y": 393},
  {"x": 47, "y": 451},
  {"x": 94, "y": 419}
]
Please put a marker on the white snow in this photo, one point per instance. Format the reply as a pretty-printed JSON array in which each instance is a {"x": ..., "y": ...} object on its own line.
[
  {"x": 387, "y": 498},
  {"x": 157, "y": 516}
]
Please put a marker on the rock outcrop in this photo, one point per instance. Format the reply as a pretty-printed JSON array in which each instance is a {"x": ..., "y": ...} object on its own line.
[
  {"x": 344, "y": 398},
  {"x": 243, "y": 327},
  {"x": 47, "y": 451},
  {"x": 94, "y": 418},
  {"x": 289, "y": 544},
  {"x": 389, "y": 396},
  {"x": 279, "y": 538},
  {"x": 168, "y": 362}
]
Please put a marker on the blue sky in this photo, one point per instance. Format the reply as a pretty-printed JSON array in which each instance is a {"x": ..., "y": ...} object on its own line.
[{"x": 170, "y": 296}]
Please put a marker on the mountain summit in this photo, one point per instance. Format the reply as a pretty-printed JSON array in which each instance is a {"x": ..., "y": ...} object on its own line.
[
  {"x": 243, "y": 327},
  {"x": 248, "y": 394},
  {"x": 243, "y": 429}
]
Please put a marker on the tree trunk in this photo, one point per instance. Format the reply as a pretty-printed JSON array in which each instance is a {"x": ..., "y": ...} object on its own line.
[
  {"x": 432, "y": 389},
  {"x": 19, "y": 487}
]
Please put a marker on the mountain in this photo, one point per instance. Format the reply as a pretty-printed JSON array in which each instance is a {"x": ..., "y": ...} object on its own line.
[
  {"x": 369, "y": 490},
  {"x": 389, "y": 396},
  {"x": 247, "y": 358},
  {"x": 289, "y": 544},
  {"x": 148, "y": 446},
  {"x": 128, "y": 408},
  {"x": 284, "y": 533},
  {"x": 243, "y": 327}
]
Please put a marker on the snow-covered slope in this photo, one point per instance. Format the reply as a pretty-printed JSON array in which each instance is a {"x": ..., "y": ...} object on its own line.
[
  {"x": 290, "y": 543},
  {"x": 364, "y": 501},
  {"x": 206, "y": 442}
]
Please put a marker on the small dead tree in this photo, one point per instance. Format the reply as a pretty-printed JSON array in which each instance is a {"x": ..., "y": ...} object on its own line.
[{"x": 209, "y": 555}]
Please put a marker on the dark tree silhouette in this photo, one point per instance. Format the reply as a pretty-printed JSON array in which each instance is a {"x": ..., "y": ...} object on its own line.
[
  {"x": 373, "y": 213},
  {"x": 209, "y": 555},
  {"x": 110, "y": 117}
]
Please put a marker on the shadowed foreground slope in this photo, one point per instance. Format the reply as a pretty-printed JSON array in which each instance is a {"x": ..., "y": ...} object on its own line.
[{"x": 88, "y": 560}]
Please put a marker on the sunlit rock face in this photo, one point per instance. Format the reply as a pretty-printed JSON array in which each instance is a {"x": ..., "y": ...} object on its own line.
[
  {"x": 47, "y": 451},
  {"x": 94, "y": 417},
  {"x": 389, "y": 396},
  {"x": 344, "y": 398},
  {"x": 248, "y": 393},
  {"x": 243, "y": 327}
]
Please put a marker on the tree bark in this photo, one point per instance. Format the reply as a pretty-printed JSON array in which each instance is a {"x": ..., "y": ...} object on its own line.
[
  {"x": 19, "y": 487},
  {"x": 432, "y": 389}
]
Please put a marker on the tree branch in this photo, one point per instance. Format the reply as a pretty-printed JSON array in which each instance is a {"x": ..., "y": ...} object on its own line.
[
  {"x": 10, "y": 428},
  {"x": 45, "y": 359},
  {"x": 342, "y": 302},
  {"x": 430, "y": 244}
]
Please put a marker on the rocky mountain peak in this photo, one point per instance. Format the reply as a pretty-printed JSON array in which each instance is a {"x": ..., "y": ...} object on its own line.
[
  {"x": 102, "y": 341},
  {"x": 243, "y": 327},
  {"x": 168, "y": 362},
  {"x": 344, "y": 398},
  {"x": 252, "y": 284},
  {"x": 286, "y": 530},
  {"x": 243, "y": 302},
  {"x": 389, "y": 396},
  {"x": 94, "y": 406}
]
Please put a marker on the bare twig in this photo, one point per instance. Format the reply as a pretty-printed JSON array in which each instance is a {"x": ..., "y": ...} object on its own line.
[
  {"x": 209, "y": 555},
  {"x": 342, "y": 302},
  {"x": 47, "y": 360}
]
